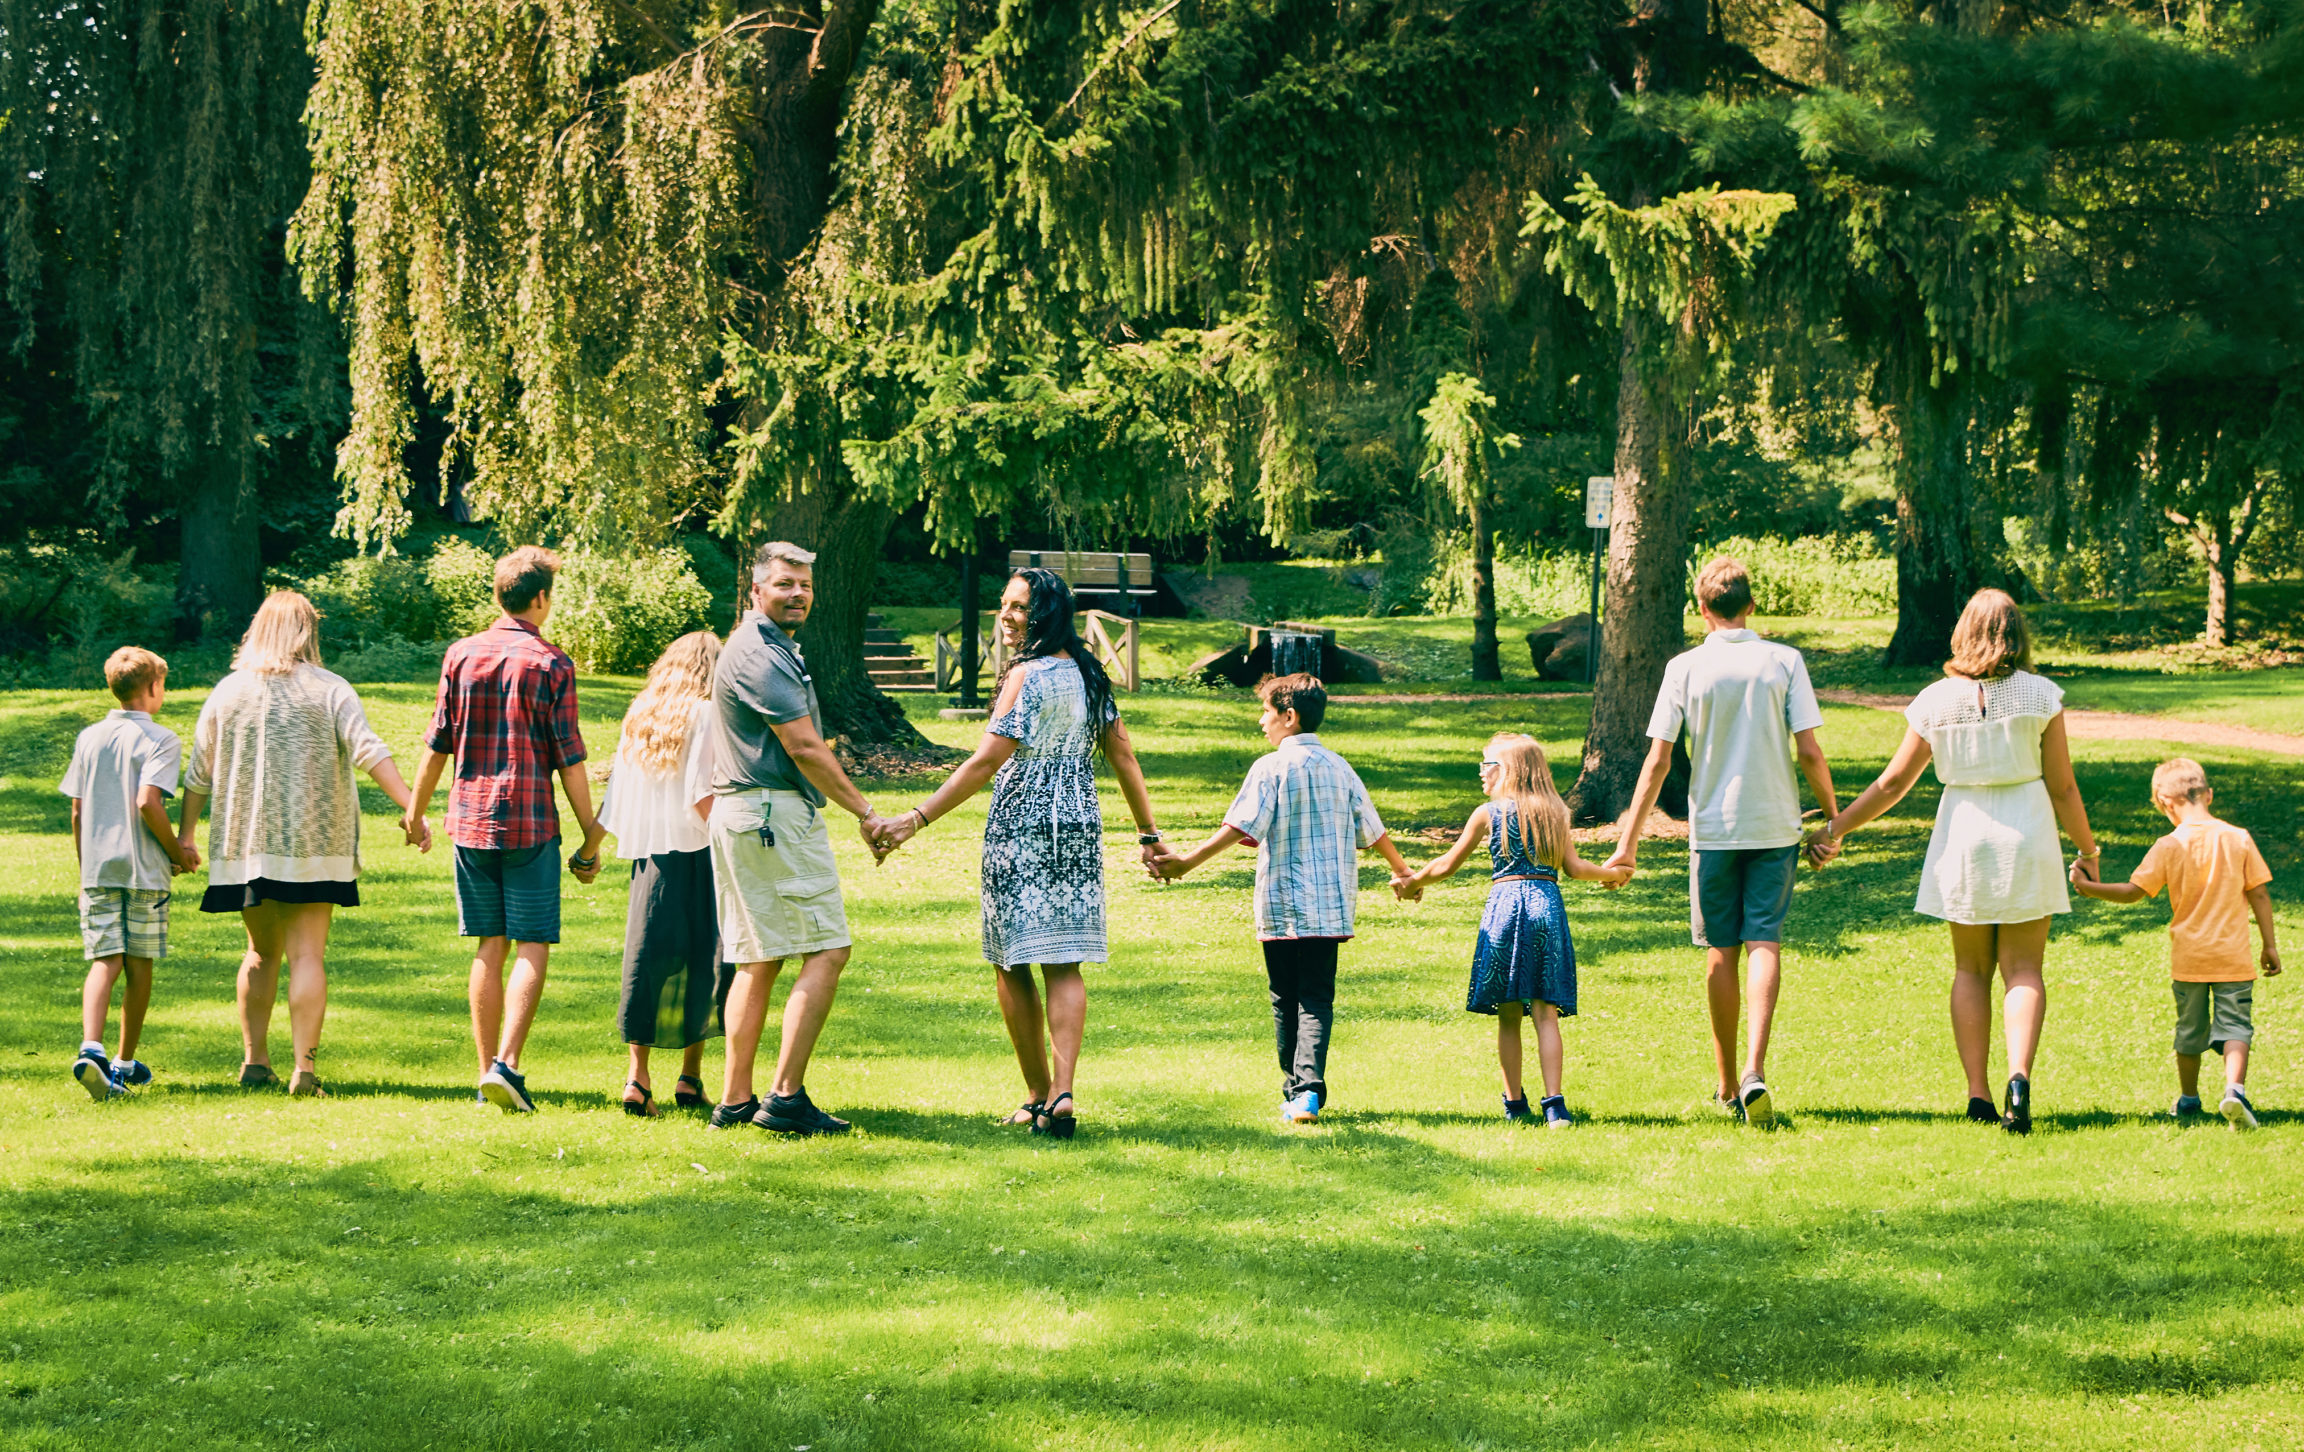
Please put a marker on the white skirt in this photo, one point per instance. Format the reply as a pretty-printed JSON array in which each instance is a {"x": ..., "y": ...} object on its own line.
[{"x": 1994, "y": 857}]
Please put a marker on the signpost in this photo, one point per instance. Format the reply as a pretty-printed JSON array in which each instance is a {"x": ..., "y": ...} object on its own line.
[{"x": 1599, "y": 495}]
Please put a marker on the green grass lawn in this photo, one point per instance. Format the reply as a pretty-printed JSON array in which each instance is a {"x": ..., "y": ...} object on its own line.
[{"x": 397, "y": 1268}]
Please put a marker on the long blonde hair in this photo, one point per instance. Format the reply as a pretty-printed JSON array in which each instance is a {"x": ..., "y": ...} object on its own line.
[
  {"x": 1524, "y": 778},
  {"x": 284, "y": 635},
  {"x": 656, "y": 724}
]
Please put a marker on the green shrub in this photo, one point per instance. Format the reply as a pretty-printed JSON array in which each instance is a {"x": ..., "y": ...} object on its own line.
[
  {"x": 618, "y": 612},
  {"x": 365, "y": 599},
  {"x": 389, "y": 658},
  {"x": 1816, "y": 575},
  {"x": 463, "y": 580}
]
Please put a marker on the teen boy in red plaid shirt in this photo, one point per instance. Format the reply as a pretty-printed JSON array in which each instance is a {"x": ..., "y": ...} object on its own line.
[{"x": 507, "y": 716}]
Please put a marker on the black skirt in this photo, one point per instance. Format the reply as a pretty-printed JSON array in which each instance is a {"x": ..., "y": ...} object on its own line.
[
  {"x": 675, "y": 986},
  {"x": 231, "y": 897}
]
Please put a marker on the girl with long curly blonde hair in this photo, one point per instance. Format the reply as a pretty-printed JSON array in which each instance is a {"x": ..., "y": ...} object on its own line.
[{"x": 659, "y": 795}]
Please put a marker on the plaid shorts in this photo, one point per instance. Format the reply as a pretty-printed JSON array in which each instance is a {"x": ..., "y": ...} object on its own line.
[{"x": 130, "y": 920}]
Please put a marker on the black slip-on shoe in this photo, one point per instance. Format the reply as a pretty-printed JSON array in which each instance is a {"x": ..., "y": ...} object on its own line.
[
  {"x": 729, "y": 1116},
  {"x": 794, "y": 1114},
  {"x": 1982, "y": 1111},
  {"x": 2018, "y": 1119}
]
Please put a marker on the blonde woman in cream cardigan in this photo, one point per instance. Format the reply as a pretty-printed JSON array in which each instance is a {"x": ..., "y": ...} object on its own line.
[{"x": 276, "y": 747}]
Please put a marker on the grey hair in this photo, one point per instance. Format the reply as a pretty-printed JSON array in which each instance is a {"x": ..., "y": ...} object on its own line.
[{"x": 778, "y": 550}]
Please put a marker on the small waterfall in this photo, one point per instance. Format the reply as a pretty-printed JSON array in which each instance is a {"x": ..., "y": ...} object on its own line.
[{"x": 1294, "y": 651}]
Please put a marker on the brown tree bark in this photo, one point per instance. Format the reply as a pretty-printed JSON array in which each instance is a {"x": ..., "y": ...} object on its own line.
[
  {"x": 1938, "y": 564},
  {"x": 1644, "y": 626},
  {"x": 1487, "y": 662},
  {"x": 220, "y": 574},
  {"x": 2222, "y": 533}
]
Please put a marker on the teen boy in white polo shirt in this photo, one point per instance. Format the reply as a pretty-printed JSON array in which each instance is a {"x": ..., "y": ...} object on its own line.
[{"x": 1749, "y": 711}]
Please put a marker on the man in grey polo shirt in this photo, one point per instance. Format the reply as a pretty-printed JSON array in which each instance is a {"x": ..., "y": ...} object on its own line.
[
  {"x": 1749, "y": 711},
  {"x": 772, "y": 867}
]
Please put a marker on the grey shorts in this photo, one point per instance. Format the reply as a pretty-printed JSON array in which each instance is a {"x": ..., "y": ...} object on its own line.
[
  {"x": 509, "y": 892},
  {"x": 1739, "y": 895},
  {"x": 2211, "y": 1015}
]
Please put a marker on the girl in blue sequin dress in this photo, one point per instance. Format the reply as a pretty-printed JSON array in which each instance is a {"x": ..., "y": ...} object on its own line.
[{"x": 1524, "y": 963}]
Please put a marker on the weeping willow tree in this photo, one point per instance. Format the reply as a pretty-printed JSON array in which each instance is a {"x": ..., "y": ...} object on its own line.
[{"x": 149, "y": 152}]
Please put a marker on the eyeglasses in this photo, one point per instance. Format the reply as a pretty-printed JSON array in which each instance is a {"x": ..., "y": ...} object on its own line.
[{"x": 1488, "y": 761}]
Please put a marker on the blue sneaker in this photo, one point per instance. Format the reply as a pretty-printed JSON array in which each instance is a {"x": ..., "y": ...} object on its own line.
[
  {"x": 507, "y": 1089},
  {"x": 94, "y": 1071},
  {"x": 1556, "y": 1114},
  {"x": 2187, "y": 1106},
  {"x": 131, "y": 1073},
  {"x": 2238, "y": 1112},
  {"x": 1303, "y": 1109}
]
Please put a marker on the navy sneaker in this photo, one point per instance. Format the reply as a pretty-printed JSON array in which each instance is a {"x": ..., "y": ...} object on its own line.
[
  {"x": 728, "y": 1116},
  {"x": 795, "y": 1114},
  {"x": 1556, "y": 1115},
  {"x": 94, "y": 1071},
  {"x": 1759, "y": 1108},
  {"x": 2238, "y": 1112},
  {"x": 1516, "y": 1110},
  {"x": 507, "y": 1089},
  {"x": 131, "y": 1073},
  {"x": 2187, "y": 1107}
]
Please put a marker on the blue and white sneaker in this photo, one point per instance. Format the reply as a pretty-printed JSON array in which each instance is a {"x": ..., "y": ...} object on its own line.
[
  {"x": 2187, "y": 1107},
  {"x": 507, "y": 1089},
  {"x": 94, "y": 1071},
  {"x": 1556, "y": 1115},
  {"x": 2238, "y": 1112},
  {"x": 131, "y": 1073},
  {"x": 1303, "y": 1109}
]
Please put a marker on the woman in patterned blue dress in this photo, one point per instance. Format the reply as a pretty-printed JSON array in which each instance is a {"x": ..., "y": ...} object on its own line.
[
  {"x": 1525, "y": 961},
  {"x": 1044, "y": 835}
]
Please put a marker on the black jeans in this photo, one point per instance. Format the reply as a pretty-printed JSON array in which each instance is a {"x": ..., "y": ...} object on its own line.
[{"x": 1302, "y": 972}]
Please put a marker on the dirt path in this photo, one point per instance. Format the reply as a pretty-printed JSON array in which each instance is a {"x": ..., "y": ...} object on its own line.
[{"x": 2121, "y": 726}]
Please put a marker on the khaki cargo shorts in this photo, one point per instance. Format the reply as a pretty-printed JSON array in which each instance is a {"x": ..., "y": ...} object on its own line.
[{"x": 778, "y": 890}]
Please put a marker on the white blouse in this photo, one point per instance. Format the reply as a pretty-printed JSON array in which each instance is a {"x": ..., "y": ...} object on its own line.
[{"x": 654, "y": 812}]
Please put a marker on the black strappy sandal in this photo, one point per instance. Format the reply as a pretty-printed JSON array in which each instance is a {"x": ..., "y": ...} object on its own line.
[
  {"x": 685, "y": 1097},
  {"x": 257, "y": 1076},
  {"x": 645, "y": 1106},
  {"x": 1052, "y": 1124},
  {"x": 1026, "y": 1116}
]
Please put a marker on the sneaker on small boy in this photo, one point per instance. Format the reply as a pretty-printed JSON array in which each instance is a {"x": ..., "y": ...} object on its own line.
[
  {"x": 1306, "y": 813},
  {"x": 124, "y": 769},
  {"x": 2215, "y": 879}
]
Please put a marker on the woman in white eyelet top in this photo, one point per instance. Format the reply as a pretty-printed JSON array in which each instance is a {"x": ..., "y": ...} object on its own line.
[{"x": 1995, "y": 866}]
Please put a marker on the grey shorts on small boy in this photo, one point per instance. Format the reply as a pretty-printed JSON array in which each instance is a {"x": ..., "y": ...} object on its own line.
[
  {"x": 2211, "y": 1015},
  {"x": 1739, "y": 895}
]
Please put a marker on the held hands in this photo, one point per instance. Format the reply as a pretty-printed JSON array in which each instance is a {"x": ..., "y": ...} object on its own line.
[
  {"x": 187, "y": 857},
  {"x": 885, "y": 834},
  {"x": 1409, "y": 886},
  {"x": 416, "y": 832},
  {"x": 1820, "y": 846},
  {"x": 1162, "y": 863},
  {"x": 2087, "y": 870},
  {"x": 1620, "y": 866}
]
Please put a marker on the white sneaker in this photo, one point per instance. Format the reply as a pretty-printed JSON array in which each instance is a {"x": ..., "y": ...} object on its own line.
[
  {"x": 2238, "y": 1112},
  {"x": 1759, "y": 1108}
]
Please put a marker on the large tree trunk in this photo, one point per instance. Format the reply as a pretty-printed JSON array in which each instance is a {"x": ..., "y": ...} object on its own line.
[
  {"x": 1647, "y": 597},
  {"x": 847, "y": 534},
  {"x": 1938, "y": 565},
  {"x": 1487, "y": 664},
  {"x": 220, "y": 573}
]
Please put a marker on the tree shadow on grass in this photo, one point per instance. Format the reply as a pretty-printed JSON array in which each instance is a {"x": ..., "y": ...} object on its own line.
[{"x": 787, "y": 1303}]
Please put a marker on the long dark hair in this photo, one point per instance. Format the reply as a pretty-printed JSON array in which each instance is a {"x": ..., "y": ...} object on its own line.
[{"x": 1048, "y": 630}]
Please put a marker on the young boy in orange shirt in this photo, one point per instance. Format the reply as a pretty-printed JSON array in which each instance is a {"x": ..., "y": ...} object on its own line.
[{"x": 2215, "y": 878}]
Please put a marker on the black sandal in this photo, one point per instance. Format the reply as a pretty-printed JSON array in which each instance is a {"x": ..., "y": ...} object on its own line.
[
  {"x": 257, "y": 1076},
  {"x": 1052, "y": 1124},
  {"x": 1027, "y": 1114},
  {"x": 645, "y": 1106},
  {"x": 688, "y": 1098}
]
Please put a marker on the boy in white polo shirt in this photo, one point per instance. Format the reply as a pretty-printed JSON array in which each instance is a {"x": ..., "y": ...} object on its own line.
[
  {"x": 124, "y": 768},
  {"x": 1749, "y": 712}
]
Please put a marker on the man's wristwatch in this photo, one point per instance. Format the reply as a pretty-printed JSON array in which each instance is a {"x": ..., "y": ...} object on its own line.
[
  {"x": 580, "y": 861},
  {"x": 1147, "y": 839}
]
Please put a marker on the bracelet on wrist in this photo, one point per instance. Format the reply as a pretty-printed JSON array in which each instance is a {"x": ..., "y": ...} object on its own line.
[{"x": 1147, "y": 838}]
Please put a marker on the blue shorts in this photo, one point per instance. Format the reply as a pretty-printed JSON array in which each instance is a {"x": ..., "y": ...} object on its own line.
[
  {"x": 1739, "y": 895},
  {"x": 511, "y": 892}
]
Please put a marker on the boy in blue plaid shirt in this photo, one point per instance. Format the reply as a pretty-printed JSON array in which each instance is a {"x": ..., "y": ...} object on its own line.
[{"x": 1305, "y": 812}]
